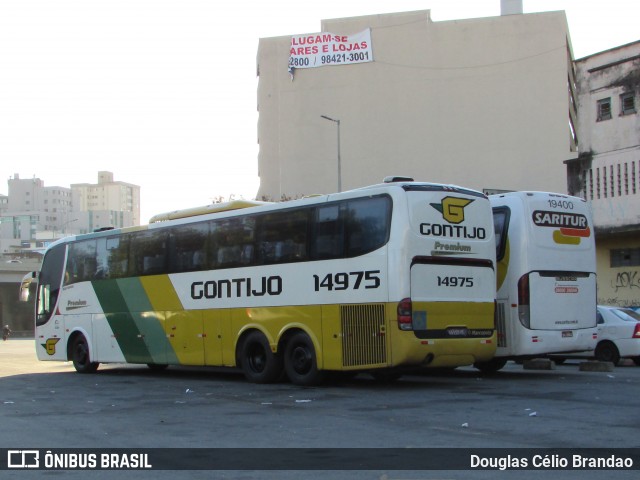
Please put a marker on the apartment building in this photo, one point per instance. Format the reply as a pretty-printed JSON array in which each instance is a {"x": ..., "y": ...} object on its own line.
[
  {"x": 487, "y": 103},
  {"x": 108, "y": 203},
  {"x": 32, "y": 214},
  {"x": 607, "y": 172}
]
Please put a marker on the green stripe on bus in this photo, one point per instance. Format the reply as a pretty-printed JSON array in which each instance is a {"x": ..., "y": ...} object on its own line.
[
  {"x": 122, "y": 325},
  {"x": 138, "y": 330},
  {"x": 150, "y": 323}
]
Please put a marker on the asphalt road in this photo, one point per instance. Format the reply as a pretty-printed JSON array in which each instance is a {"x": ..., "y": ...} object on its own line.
[{"x": 47, "y": 405}]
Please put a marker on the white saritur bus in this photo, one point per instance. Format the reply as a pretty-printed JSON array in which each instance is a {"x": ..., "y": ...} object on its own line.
[
  {"x": 546, "y": 278},
  {"x": 400, "y": 274}
]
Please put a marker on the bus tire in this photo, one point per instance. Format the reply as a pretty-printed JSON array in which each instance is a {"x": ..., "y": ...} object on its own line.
[
  {"x": 157, "y": 367},
  {"x": 386, "y": 376},
  {"x": 491, "y": 366},
  {"x": 300, "y": 361},
  {"x": 607, "y": 352},
  {"x": 259, "y": 364},
  {"x": 81, "y": 357}
]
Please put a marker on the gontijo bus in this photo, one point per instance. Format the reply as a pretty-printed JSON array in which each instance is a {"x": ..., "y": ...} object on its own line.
[
  {"x": 546, "y": 276},
  {"x": 399, "y": 274}
]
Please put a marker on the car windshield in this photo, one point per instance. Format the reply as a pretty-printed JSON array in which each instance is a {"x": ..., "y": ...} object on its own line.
[{"x": 626, "y": 314}]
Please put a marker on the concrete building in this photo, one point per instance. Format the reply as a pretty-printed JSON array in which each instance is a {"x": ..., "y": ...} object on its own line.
[
  {"x": 4, "y": 203},
  {"x": 607, "y": 172},
  {"x": 35, "y": 214},
  {"x": 32, "y": 215},
  {"x": 107, "y": 203},
  {"x": 33, "y": 207},
  {"x": 487, "y": 103}
]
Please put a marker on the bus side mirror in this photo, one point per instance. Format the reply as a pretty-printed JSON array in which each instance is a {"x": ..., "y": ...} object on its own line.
[{"x": 24, "y": 286}]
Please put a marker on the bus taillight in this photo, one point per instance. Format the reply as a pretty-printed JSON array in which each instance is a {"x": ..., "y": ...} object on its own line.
[
  {"x": 405, "y": 313},
  {"x": 523, "y": 301}
]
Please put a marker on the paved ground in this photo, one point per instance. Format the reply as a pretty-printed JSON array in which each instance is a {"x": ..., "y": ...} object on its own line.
[{"x": 48, "y": 405}]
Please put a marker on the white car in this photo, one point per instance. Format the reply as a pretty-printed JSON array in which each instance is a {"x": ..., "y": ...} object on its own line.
[{"x": 618, "y": 336}]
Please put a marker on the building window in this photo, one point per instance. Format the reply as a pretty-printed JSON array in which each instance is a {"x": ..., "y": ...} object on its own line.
[
  {"x": 613, "y": 183},
  {"x": 604, "y": 109},
  {"x": 626, "y": 178},
  {"x": 625, "y": 257},
  {"x": 627, "y": 104}
]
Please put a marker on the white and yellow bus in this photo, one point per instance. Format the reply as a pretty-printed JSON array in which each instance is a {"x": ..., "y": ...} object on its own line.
[
  {"x": 546, "y": 288},
  {"x": 400, "y": 274}
]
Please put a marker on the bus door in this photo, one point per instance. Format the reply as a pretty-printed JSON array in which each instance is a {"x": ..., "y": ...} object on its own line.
[{"x": 50, "y": 326}]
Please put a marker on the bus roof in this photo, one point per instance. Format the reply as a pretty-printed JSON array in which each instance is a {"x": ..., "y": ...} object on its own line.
[
  {"x": 204, "y": 210},
  {"x": 190, "y": 213},
  {"x": 534, "y": 193}
]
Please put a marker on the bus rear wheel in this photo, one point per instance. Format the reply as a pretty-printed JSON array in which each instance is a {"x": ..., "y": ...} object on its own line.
[
  {"x": 491, "y": 366},
  {"x": 259, "y": 364},
  {"x": 80, "y": 356},
  {"x": 300, "y": 361}
]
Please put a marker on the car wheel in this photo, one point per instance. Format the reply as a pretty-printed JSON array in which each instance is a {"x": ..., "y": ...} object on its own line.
[{"x": 607, "y": 352}]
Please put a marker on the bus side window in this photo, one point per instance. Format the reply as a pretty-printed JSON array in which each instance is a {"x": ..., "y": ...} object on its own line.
[
  {"x": 233, "y": 241},
  {"x": 282, "y": 236},
  {"x": 501, "y": 225},
  {"x": 116, "y": 257},
  {"x": 328, "y": 238},
  {"x": 81, "y": 264},
  {"x": 188, "y": 248},
  {"x": 368, "y": 224},
  {"x": 147, "y": 253}
]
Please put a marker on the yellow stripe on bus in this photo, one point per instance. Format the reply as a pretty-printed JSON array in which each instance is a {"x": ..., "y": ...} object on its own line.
[
  {"x": 558, "y": 237},
  {"x": 161, "y": 293}
]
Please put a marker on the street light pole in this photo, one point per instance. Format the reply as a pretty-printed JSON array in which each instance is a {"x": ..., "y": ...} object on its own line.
[
  {"x": 337, "y": 122},
  {"x": 62, "y": 227}
]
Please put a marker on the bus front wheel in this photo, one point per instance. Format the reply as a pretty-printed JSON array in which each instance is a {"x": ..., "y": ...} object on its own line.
[
  {"x": 300, "y": 361},
  {"x": 259, "y": 364},
  {"x": 80, "y": 356}
]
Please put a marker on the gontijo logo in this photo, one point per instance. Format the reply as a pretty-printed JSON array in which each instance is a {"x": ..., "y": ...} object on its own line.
[
  {"x": 50, "y": 345},
  {"x": 571, "y": 226},
  {"x": 452, "y": 208}
]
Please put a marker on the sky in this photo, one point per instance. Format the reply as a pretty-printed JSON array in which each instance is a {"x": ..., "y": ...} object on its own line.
[{"x": 163, "y": 92}]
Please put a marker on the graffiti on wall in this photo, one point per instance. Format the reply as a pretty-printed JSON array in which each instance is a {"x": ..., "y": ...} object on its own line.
[
  {"x": 625, "y": 290},
  {"x": 626, "y": 280}
]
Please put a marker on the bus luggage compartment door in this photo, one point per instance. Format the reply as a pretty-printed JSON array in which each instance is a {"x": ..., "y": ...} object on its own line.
[
  {"x": 453, "y": 295},
  {"x": 562, "y": 300}
]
